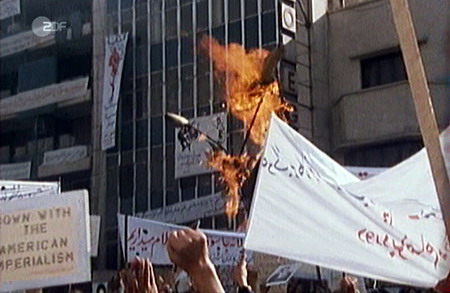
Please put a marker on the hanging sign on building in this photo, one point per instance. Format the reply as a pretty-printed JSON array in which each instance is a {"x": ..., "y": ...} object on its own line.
[
  {"x": 114, "y": 56},
  {"x": 191, "y": 146},
  {"x": 23, "y": 41},
  {"x": 15, "y": 171},
  {"x": 148, "y": 239},
  {"x": 188, "y": 210},
  {"x": 44, "y": 241},
  {"x": 66, "y": 155},
  {"x": 9, "y": 8},
  {"x": 12, "y": 190}
]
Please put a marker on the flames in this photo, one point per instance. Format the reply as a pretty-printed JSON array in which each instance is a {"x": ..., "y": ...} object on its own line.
[{"x": 251, "y": 99}]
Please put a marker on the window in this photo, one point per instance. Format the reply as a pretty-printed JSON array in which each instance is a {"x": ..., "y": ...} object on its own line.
[{"x": 383, "y": 69}]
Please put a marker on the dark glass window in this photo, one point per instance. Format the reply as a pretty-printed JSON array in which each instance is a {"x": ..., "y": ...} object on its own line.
[
  {"x": 187, "y": 52},
  {"x": 251, "y": 7},
  {"x": 268, "y": 5},
  {"x": 268, "y": 28},
  {"x": 127, "y": 136},
  {"x": 156, "y": 192},
  {"x": 141, "y": 133},
  {"x": 186, "y": 19},
  {"x": 141, "y": 60},
  {"x": 141, "y": 104},
  {"x": 235, "y": 32},
  {"x": 187, "y": 188},
  {"x": 234, "y": 9},
  {"x": 126, "y": 3},
  {"x": 217, "y": 13},
  {"x": 187, "y": 93},
  {"x": 112, "y": 197},
  {"x": 126, "y": 181},
  {"x": 156, "y": 131},
  {"x": 171, "y": 23},
  {"x": 251, "y": 32},
  {"x": 170, "y": 132},
  {"x": 202, "y": 15},
  {"x": 112, "y": 6},
  {"x": 204, "y": 185},
  {"x": 203, "y": 89},
  {"x": 141, "y": 187},
  {"x": 141, "y": 31},
  {"x": 156, "y": 28},
  {"x": 172, "y": 53},
  {"x": 156, "y": 94},
  {"x": 172, "y": 90},
  {"x": 156, "y": 57},
  {"x": 382, "y": 69},
  {"x": 219, "y": 34}
]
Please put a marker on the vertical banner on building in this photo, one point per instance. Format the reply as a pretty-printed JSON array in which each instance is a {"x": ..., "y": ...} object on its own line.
[
  {"x": 114, "y": 56},
  {"x": 191, "y": 150},
  {"x": 44, "y": 241},
  {"x": 9, "y": 8}
]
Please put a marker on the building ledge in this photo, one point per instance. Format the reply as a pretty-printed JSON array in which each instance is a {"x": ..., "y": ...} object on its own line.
[
  {"x": 69, "y": 167},
  {"x": 62, "y": 94}
]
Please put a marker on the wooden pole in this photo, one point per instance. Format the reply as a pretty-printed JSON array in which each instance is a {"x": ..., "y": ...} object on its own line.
[{"x": 423, "y": 103}]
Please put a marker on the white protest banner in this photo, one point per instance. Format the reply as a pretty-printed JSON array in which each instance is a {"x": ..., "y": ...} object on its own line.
[
  {"x": 9, "y": 8},
  {"x": 12, "y": 190},
  {"x": 15, "y": 170},
  {"x": 115, "y": 54},
  {"x": 66, "y": 155},
  {"x": 308, "y": 208},
  {"x": 95, "y": 234},
  {"x": 188, "y": 210},
  {"x": 44, "y": 241},
  {"x": 148, "y": 239},
  {"x": 191, "y": 150},
  {"x": 364, "y": 173}
]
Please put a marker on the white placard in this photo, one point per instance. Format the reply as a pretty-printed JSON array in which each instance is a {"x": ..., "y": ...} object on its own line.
[
  {"x": 191, "y": 150},
  {"x": 66, "y": 155},
  {"x": 9, "y": 8},
  {"x": 308, "y": 208},
  {"x": 44, "y": 241},
  {"x": 188, "y": 210},
  {"x": 282, "y": 275},
  {"x": 115, "y": 54},
  {"x": 13, "y": 190},
  {"x": 15, "y": 171},
  {"x": 55, "y": 93},
  {"x": 148, "y": 239}
]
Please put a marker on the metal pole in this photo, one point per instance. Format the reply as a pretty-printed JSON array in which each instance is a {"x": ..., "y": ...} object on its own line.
[{"x": 423, "y": 103}]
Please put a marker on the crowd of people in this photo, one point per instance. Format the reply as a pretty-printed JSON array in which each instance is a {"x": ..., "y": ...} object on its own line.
[{"x": 194, "y": 272}]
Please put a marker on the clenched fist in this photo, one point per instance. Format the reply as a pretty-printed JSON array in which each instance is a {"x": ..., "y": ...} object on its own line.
[{"x": 188, "y": 249}]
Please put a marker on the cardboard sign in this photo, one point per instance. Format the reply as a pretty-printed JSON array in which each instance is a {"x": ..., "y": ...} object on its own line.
[{"x": 44, "y": 241}]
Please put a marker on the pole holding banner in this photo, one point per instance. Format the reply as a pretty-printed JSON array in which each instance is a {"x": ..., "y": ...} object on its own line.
[{"x": 423, "y": 103}]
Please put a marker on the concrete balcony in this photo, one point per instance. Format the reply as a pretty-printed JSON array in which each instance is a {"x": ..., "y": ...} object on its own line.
[
  {"x": 384, "y": 113},
  {"x": 60, "y": 95}
]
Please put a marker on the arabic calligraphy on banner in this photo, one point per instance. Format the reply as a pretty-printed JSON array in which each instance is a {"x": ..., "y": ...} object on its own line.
[
  {"x": 148, "y": 239},
  {"x": 114, "y": 56},
  {"x": 12, "y": 190},
  {"x": 389, "y": 227},
  {"x": 66, "y": 155},
  {"x": 188, "y": 210}
]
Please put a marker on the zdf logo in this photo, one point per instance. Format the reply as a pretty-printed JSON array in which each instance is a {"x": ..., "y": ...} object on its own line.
[{"x": 42, "y": 26}]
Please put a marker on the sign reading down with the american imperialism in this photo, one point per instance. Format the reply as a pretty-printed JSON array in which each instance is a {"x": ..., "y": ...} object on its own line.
[{"x": 44, "y": 241}]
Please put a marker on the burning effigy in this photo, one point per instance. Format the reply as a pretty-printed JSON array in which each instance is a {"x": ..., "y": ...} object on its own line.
[{"x": 252, "y": 95}]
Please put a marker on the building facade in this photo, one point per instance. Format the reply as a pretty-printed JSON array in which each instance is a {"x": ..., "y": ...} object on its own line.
[{"x": 45, "y": 93}]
